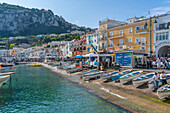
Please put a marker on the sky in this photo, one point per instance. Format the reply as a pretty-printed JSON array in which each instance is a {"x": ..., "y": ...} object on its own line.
[{"x": 88, "y": 12}]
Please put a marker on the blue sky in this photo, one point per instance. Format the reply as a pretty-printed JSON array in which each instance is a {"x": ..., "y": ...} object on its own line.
[{"x": 89, "y": 12}]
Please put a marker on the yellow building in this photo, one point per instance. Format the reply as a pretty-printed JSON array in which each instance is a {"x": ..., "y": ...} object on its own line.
[{"x": 133, "y": 35}]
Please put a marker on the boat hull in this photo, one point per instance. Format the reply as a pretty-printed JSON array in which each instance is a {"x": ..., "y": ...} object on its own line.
[
  {"x": 140, "y": 82},
  {"x": 87, "y": 78},
  {"x": 151, "y": 84},
  {"x": 162, "y": 93},
  {"x": 4, "y": 79}
]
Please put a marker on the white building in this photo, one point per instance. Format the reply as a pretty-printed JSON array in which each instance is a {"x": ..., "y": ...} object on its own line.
[{"x": 162, "y": 36}]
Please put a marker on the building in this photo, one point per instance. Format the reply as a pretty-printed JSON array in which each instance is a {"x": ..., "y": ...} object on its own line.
[
  {"x": 132, "y": 35},
  {"x": 92, "y": 42},
  {"x": 79, "y": 46},
  {"x": 103, "y": 33},
  {"x": 162, "y": 36}
]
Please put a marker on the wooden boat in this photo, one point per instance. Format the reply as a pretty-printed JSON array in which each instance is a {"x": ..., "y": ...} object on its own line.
[
  {"x": 4, "y": 79},
  {"x": 69, "y": 66},
  {"x": 7, "y": 73},
  {"x": 90, "y": 71},
  {"x": 78, "y": 68},
  {"x": 142, "y": 79},
  {"x": 151, "y": 82},
  {"x": 7, "y": 69},
  {"x": 164, "y": 91},
  {"x": 128, "y": 77},
  {"x": 118, "y": 75},
  {"x": 108, "y": 76},
  {"x": 90, "y": 76}
]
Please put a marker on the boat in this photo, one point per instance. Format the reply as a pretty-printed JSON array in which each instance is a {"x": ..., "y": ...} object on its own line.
[
  {"x": 69, "y": 66},
  {"x": 4, "y": 79},
  {"x": 108, "y": 76},
  {"x": 118, "y": 75},
  {"x": 7, "y": 69},
  {"x": 128, "y": 77},
  {"x": 90, "y": 76},
  {"x": 7, "y": 73},
  {"x": 151, "y": 82},
  {"x": 164, "y": 91},
  {"x": 78, "y": 68},
  {"x": 90, "y": 71},
  {"x": 142, "y": 79},
  {"x": 34, "y": 65}
]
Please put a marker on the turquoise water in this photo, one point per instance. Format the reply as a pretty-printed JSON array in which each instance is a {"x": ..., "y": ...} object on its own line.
[{"x": 39, "y": 90}]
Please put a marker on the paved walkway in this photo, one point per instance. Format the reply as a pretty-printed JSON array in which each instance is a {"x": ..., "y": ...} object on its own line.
[{"x": 154, "y": 70}]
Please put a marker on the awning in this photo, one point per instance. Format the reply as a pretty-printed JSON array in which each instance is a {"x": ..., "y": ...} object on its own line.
[{"x": 78, "y": 56}]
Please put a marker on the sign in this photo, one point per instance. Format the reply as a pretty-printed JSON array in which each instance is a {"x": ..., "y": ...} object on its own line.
[{"x": 125, "y": 59}]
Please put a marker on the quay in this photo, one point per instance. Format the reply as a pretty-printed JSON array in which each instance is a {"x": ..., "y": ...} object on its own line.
[{"x": 126, "y": 96}]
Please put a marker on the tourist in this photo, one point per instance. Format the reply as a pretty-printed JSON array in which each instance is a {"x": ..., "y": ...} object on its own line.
[
  {"x": 158, "y": 63},
  {"x": 150, "y": 63},
  {"x": 156, "y": 81},
  {"x": 163, "y": 78},
  {"x": 147, "y": 63}
]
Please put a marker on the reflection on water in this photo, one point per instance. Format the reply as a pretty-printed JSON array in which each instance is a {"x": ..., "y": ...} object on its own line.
[{"x": 34, "y": 89}]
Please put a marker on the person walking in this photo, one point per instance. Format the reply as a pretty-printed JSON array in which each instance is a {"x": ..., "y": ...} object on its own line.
[
  {"x": 158, "y": 63},
  {"x": 163, "y": 78},
  {"x": 156, "y": 81}
]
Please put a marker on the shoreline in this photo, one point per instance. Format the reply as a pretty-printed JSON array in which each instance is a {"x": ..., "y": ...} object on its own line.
[{"x": 125, "y": 97}]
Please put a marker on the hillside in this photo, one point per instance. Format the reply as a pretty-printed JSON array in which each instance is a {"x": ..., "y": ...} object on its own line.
[{"x": 16, "y": 20}]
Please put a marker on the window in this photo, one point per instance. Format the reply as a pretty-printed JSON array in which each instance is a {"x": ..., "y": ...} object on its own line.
[
  {"x": 88, "y": 49},
  {"x": 130, "y": 39},
  {"x": 121, "y": 32},
  {"x": 96, "y": 47},
  {"x": 143, "y": 40},
  {"x": 121, "y": 42},
  {"x": 102, "y": 45},
  {"x": 89, "y": 37},
  {"x": 111, "y": 43},
  {"x": 162, "y": 36},
  {"x": 89, "y": 42},
  {"x": 143, "y": 48},
  {"x": 142, "y": 27},
  {"x": 137, "y": 40},
  {"x": 130, "y": 30},
  {"x": 137, "y": 28},
  {"x": 111, "y": 34}
]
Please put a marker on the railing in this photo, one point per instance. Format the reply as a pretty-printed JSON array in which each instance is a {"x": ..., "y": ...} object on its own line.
[
  {"x": 141, "y": 30},
  {"x": 158, "y": 29}
]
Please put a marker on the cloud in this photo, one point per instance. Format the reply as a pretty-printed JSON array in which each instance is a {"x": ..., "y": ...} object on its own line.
[{"x": 160, "y": 10}]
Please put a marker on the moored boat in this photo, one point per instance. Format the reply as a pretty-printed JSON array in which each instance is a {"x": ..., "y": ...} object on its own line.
[
  {"x": 34, "y": 65},
  {"x": 128, "y": 77},
  {"x": 164, "y": 91},
  {"x": 4, "y": 79},
  {"x": 151, "y": 83},
  {"x": 78, "y": 68},
  {"x": 142, "y": 79},
  {"x": 7, "y": 73},
  {"x": 118, "y": 75},
  {"x": 69, "y": 66},
  {"x": 90, "y": 71},
  {"x": 108, "y": 76},
  {"x": 90, "y": 76}
]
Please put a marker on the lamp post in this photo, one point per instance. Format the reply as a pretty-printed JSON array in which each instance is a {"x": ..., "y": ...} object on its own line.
[{"x": 150, "y": 37}]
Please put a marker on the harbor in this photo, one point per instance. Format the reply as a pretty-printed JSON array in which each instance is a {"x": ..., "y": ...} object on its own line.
[
  {"x": 35, "y": 89},
  {"x": 127, "y": 96}
]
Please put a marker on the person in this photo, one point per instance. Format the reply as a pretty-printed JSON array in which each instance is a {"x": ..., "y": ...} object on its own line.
[
  {"x": 147, "y": 63},
  {"x": 156, "y": 81},
  {"x": 163, "y": 78},
  {"x": 158, "y": 63},
  {"x": 150, "y": 63}
]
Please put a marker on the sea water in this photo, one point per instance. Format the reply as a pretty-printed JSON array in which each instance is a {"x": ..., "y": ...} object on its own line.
[{"x": 35, "y": 89}]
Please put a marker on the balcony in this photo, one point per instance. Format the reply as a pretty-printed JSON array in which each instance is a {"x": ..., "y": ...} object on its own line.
[
  {"x": 111, "y": 46},
  {"x": 141, "y": 30},
  {"x": 164, "y": 28}
]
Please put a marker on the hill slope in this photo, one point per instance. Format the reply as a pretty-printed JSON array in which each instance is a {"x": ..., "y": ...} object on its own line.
[{"x": 16, "y": 20}]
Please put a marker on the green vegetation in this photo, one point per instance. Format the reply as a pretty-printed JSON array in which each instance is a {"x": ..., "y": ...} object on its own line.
[{"x": 160, "y": 101}]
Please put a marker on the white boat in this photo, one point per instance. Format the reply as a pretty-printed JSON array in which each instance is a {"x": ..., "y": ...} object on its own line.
[
  {"x": 108, "y": 76},
  {"x": 7, "y": 73},
  {"x": 69, "y": 66},
  {"x": 142, "y": 79},
  {"x": 118, "y": 75},
  {"x": 7, "y": 69},
  {"x": 164, "y": 91},
  {"x": 90, "y": 71},
  {"x": 151, "y": 83},
  {"x": 78, "y": 68},
  {"x": 4, "y": 79},
  {"x": 90, "y": 76},
  {"x": 128, "y": 77}
]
